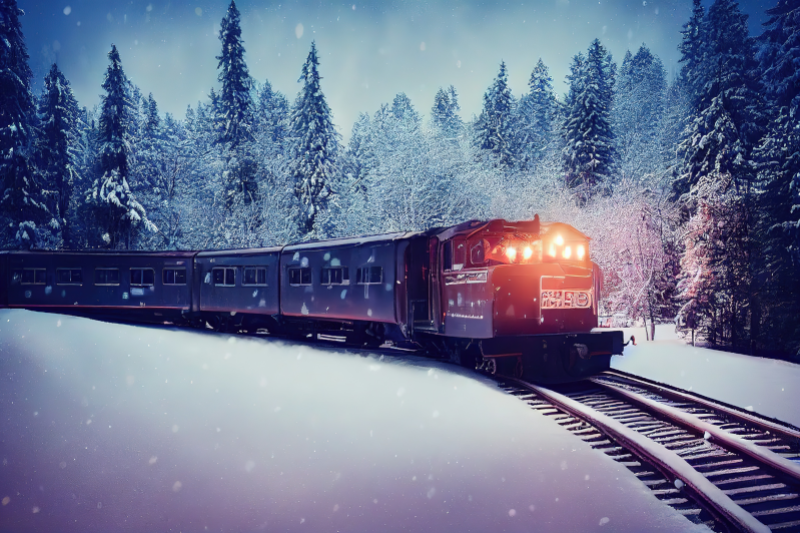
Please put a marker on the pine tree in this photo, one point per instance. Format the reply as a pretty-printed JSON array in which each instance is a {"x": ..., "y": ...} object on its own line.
[
  {"x": 234, "y": 100},
  {"x": 273, "y": 116},
  {"x": 719, "y": 171},
  {"x": 26, "y": 221},
  {"x": 535, "y": 114},
  {"x": 779, "y": 175},
  {"x": 692, "y": 52},
  {"x": 117, "y": 210},
  {"x": 638, "y": 113},
  {"x": 589, "y": 152},
  {"x": 57, "y": 146},
  {"x": 493, "y": 129},
  {"x": 315, "y": 145},
  {"x": 729, "y": 85},
  {"x": 444, "y": 113}
]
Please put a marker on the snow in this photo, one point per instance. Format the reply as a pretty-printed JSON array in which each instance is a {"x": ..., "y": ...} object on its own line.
[
  {"x": 193, "y": 430},
  {"x": 766, "y": 386}
]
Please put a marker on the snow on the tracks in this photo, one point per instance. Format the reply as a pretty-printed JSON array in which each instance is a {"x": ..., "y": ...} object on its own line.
[
  {"x": 766, "y": 386},
  {"x": 109, "y": 427}
]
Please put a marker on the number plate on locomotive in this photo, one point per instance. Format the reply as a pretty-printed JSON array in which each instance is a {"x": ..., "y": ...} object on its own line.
[{"x": 566, "y": 299}]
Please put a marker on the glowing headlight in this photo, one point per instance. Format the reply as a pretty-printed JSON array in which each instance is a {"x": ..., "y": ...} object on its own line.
[
  {"x": 552, "y": 251},
  {"x": 581, "y": 251},
  {"x": 527, "y": 252},
  {"x": 559, "y": 240},
  {"x": 567, "y": 252},
  {"x": 511, "y": 253}
]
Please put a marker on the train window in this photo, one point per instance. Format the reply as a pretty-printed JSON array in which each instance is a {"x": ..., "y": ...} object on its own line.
[
  {"x": 299, "y": 276},
  {"x": 369, "y": 276},
  {"x": 173, "y": 276},
  {"x": 335, "y": 276},
  {"x": 255, "y": 276},
  {"x": 459, "y": 253},
  {"x": 143, "y": 277},
  {"x": 69, "y": 276},
  {"x": 224, "y": 276},
  {"x": 34, "y": 276},
  {"x": 476, "y": 253},
  {"x": 106, "y": 276}
]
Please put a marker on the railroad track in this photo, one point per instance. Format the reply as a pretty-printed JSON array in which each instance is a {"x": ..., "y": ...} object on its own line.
[{"x": 717, "y": 465}]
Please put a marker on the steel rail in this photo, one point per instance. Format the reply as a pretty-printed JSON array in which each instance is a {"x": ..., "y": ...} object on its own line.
[
  {"x": 659, "y": 455},
  {"x": 725, "y": 439},
  {"x": 666, "y": 390}
]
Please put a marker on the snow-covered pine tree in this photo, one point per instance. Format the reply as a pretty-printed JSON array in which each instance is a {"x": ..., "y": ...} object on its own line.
[
  {"x": 56, "y": 147},
  {"x": 234, "y": 110},
  {"x": 534, "y": 116},
  {"x": 117, "y": 211},
  {"x": 729, "y": 86},
  {"x": 315, "y": 146},
  {"x": 272, "y": 111},
  {"x": 25, "y": 221},
  {"x": 234, "y": 99},
  {"x": 444, "y": 113},
  {"x": 638, "y": 114},
  {"x": 779, "y": 175},
  {"x": 494, "y": 128},
  {"x": 589, "y": 152},
  {"x": 692, "y": 47},
  {"x": 726, "y": 123}
]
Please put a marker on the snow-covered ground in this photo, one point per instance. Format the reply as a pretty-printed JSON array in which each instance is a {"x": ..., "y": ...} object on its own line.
[
  {"x": 109, "y": 427},
  {"x": 765, "y": 386}
]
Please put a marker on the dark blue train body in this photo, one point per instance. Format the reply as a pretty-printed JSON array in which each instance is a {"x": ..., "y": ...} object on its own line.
[{"x": 518, "y": 298}]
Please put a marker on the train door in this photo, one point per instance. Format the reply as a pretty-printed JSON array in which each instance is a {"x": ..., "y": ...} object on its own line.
[
  {"x": 417, "y": 282},
  {"x": 434, "y": 286}
]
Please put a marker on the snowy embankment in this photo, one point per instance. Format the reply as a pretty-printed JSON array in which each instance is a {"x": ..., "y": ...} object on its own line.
[
  {"x": 766, "y": 386},
  {"x": 108, "y": 427}
]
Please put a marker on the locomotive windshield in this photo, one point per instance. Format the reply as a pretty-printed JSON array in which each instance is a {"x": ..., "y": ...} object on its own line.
[{"x": 504, "y": 249}]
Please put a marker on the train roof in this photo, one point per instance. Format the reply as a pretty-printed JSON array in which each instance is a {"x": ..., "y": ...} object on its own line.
[
  {"x": 117, "y": 253},
  {"x": 352, "y": 241},
  {"x": 240, "y": 252}
]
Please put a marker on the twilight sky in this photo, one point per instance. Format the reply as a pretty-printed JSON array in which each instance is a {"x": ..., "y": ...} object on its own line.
[{"x": 369, "y": 51}]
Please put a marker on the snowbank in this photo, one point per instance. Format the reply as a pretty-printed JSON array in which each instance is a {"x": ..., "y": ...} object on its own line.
[
  {"x": 766, "y": 386},
  {"x": 109, "y": 427}
]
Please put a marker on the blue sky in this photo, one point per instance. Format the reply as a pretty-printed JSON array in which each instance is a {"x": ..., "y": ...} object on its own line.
[{"x": 368, "y": 51}]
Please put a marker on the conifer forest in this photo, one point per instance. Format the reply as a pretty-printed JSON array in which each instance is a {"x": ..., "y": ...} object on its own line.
[{"x": 688, "y": 187}]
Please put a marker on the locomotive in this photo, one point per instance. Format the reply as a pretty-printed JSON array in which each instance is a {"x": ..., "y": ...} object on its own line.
[{"x": 514, "y": 298}]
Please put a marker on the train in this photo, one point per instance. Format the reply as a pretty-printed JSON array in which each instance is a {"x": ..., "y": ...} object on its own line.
[{"x": 513, "y": 298}]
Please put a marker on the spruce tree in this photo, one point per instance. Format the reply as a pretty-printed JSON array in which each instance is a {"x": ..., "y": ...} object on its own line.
[
  {"x": 589, "y": 152},
  {"x": 57, "y": 146},
  {"x": 535, "y": 114},
  {"x": 234, "y": 104},
  {"x": 315, "y": 145},
  {"x": 117, "y": 210},
  {"x": 26, "y": 221},
  {"x": 493, "y": 129},
  {"x": 779, "y": 176},
  {"x": 638, "y": 113},
  {"x": 444, "y": 113},
  {"x": 691, "y": 48},
  {"x": 726, "y": 123},
  {"x": 272, "y": 110}
]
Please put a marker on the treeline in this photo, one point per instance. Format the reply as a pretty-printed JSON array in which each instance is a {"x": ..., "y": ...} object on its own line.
[{"x": 689, "y": 188}]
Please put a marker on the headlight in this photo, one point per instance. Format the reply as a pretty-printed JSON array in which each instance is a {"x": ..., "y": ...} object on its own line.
[
  {"x": 559, "y": 240},
  {"x": 552, "y": 250},
  {"x": 581, "y": 252},
  {"x": 511, "y": 253},
  {"x": 527, "y": 252},
  {"x": 567, "y": 252}
]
